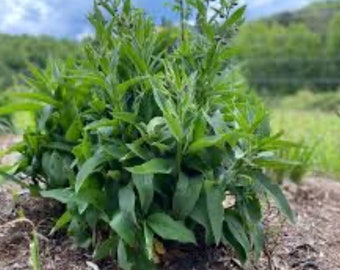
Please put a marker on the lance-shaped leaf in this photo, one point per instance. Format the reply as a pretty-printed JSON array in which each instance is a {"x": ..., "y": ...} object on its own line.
[
  {"x": 89, "y": 167},
  {"x": 186, "y": 195},
  {"x": 277, "y": 194},
  {"x": 127, "y": 198},
  {"x": 121, "y": 224},
  {"x": 215, "y": 197},
  {"x": 170, "y": 229},
  {"x": 154, "y": 166},
  {"x": 145, "y": 189}
]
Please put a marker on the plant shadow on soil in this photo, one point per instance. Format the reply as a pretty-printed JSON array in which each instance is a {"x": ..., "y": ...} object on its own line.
[{"x": 312, "y": 243}]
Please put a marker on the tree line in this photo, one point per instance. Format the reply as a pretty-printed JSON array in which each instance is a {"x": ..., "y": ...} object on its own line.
[
  {"x": 281, "y": 57},
  {"x": 16, "y": 52}
]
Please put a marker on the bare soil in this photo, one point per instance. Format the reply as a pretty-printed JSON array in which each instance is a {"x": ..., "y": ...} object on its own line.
[{"x": 312, "y": 243}]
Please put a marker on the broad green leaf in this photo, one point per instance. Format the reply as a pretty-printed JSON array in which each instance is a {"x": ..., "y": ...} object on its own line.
[
  {"x": 89, "y": 167},
  {"x": 174, "y": 125},
  {"x": 262, "y": 128},
  {"x": 61, "y": 195},
  {"x": 19, "y": 107},
  {"x": 127, "y": 199},
  {"x": 122, "y": 225},
  {"x": 84, "y": 150},
  {"x": 154, "y": 166},
  {"x": 91, "y": 193},
  {"x": 236, "y": 16},
  {"x": 125, "y": 117},
  {"x": 122, "y": 256},
  {"x": 169, "y": 113},
  {"x": 135, "y": 57},
  {"x": 215, "y": 197},
  {"x": 186, "y": 195},
  {"x": 200, "y": 127},
  {"x": 64, "y": 147},
  {"x": 217, "y": 122},
  {"x": 229, "y": 238},
  {"x": 253, "y": 209},
  {"x": 75, "y": 130},
  {"x": 137, "y": 148},
  {"x": 37, "y": 97},
  {"x": 56, "y": 167},
  {"x": 170, "y": 229},
  {"x": 200, "y": 215},
  {"x": 124, "y": 86},
  {"x": 277, "y": 194},
  {"x": 257, "y": 237},
  {"x": 105, "y": 249},
  {"x": 160, "y": 99},
  {"x": 82, "y": 206},
  {"x": 92, "y": 216},
  {"x": 162, "y": 147},
  {"x": 101, "y": 123},
  {"x": 204, "y": 143},
  {"x": 154, "y": 123},
  {"x": 61, "y": 222},
  {"x": 237, "y": 229},
  {"x": 114, "y": 152},
  {"x": 145, "y": 188}
]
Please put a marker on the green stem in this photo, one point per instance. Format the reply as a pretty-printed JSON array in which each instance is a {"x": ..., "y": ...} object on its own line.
[
  {"x": 178, "y": 158},
  {"x": 182, "y": 19}
]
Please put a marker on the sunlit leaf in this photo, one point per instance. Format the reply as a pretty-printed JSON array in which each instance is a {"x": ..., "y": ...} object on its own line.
[
  {"x": 145, "y": 188},
  {"x": 186, "y": 195},
  {"x": 170, "y": 229},
  {"x": 154, "y": 166}
]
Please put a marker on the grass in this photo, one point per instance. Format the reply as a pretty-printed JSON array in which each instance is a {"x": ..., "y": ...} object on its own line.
[{"x": 314, "y": 127}]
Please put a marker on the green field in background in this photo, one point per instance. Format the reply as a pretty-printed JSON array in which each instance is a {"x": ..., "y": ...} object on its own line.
[{"x": 318, "y": 128}]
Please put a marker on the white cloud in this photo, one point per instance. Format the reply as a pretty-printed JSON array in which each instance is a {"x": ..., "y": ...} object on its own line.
[
  {"x": 15, "y": 15},
  {"x": 55, "y": 17}
]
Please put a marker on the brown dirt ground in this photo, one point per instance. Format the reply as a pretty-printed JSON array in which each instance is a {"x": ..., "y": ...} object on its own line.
[{"x": 312, "y": 243}]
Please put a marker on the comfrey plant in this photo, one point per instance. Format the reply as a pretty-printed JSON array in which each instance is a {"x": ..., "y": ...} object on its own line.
[{"x": 143, "y": 137}]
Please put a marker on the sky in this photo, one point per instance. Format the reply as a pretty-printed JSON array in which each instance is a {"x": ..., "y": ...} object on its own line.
[{"x": 68, "y": 18}]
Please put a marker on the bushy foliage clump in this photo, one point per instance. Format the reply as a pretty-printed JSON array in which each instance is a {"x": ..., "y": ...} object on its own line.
[{"x": 143, "y": 138}]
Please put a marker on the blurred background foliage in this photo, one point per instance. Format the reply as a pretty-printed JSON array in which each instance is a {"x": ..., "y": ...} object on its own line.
[
  {"x": 293, "y": 50},
  {"x": 17, "y": 51}
]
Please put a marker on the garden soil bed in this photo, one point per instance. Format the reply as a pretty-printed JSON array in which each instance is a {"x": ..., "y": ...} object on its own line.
[{"x": 312, "y": 243}]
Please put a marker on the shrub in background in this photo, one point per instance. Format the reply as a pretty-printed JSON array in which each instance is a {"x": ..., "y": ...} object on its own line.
[
  {"x": 300, "y": 157},
  {"x": 307, "y": 100},
  {"x": 143, "y": 137}
]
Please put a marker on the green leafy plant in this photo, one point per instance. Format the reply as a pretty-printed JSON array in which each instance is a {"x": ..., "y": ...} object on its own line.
[{"x": 143, "y": 136}]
